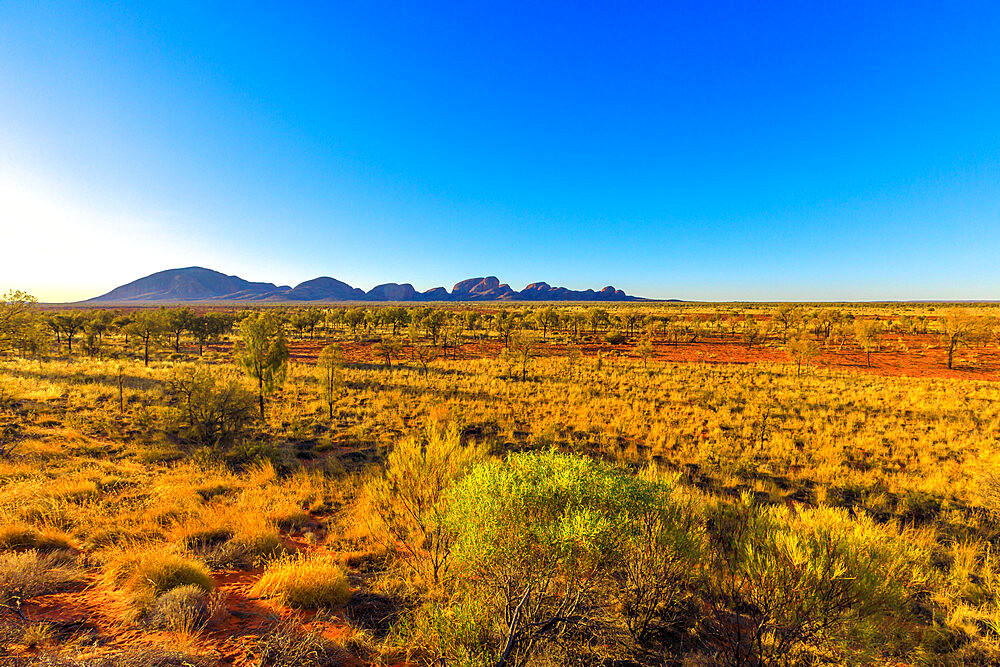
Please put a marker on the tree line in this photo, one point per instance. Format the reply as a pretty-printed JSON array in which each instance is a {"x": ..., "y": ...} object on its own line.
[{"x": 802, "y": 331}]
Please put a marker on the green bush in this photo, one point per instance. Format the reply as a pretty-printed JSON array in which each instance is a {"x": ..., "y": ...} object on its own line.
[
  {"x": 614, "y": 337},
  {"x": 457, "y": 634},
  {"x": 786, "y": 581},
  {"x": 544, "y": 533},
  {"x": 214, "y": 408}
]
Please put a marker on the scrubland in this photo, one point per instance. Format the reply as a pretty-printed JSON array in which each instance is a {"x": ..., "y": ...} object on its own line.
[{"x": 690, "y": 485}]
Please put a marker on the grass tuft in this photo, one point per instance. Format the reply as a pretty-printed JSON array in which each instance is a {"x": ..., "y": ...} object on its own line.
[
  {"x": 23, "y": 538},
  {"x": 304, "y": 583},
  {"x": 155, "y": 573}
]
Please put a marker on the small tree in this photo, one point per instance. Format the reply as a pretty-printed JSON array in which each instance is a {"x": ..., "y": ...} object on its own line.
[
  {"x": 69, "y": 323},
  {"x": 92, "y": 344},
  {"x": 787, "y": 316},
  {"x": 208, "y": 327},
  {"x": 961, "y": 328},
  {"x": 434, "y": 322},
  {"x": 507, "y": 324},
  {"x": 177, "y": 321},
  {"x": 802, "y": 350},
  {"x": 645, "y": 350},
  {"x": 354, "y": 317},
  {"x": 263, "y": 353},
  {"x": 145, "y": 327},
  {"x": 17, "y": 318},
  {"x": 331, "y": 365},
  {"x": 387, "y": 348},
  {"x": 424, "y": 354},
  {"x": 520, "y": 350},
  {"x": 547, "y": 318},
  {"x": 752, "y": 332},
  {"x": 596, "y": 318},
  {"x": 868, "y": 335}
]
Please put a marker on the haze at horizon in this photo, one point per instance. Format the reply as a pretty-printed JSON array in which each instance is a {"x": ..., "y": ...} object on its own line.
[{"x": 709, "y": 151}]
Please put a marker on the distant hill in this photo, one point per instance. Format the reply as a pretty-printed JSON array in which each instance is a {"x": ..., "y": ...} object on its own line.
[
  {"x": 197, "y": 284},
  {"x": 191, "y": 284}
]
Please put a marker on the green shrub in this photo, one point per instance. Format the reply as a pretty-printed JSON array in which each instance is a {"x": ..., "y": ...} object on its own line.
[
  {"x": 457, "y": 634},
  {"x": 789, "y": 580},
  {"x": 304, "y": 583},
  {"x": 541, "y": 532},
  {"x": 215, "y": 409},
  {"x": 614, "y": 337}
]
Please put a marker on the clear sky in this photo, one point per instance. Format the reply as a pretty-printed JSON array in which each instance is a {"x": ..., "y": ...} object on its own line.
[{"x": 702, "y": 150}]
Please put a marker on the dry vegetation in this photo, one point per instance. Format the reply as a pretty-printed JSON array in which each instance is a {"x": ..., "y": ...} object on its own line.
[{"x": 483, "y": 485}]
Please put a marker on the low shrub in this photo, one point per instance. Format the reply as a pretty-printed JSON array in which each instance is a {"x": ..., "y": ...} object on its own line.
[
  {"x": 543, "y": 533},
  {"x": 180, "y": 609},
  {"x": 456, "y": 634},
  {"x": 788, "y": 581},
  {"x": 304, "y": 583},
  {"x": 614, "y": 338},
  {"x": 288, "y": 646},
  {"x": 28, "y": 574},
  {"x": 406, "y": 506}
]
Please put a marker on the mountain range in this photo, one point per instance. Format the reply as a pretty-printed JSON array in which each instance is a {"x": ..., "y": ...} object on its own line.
[{"x": 199, "y": 284}]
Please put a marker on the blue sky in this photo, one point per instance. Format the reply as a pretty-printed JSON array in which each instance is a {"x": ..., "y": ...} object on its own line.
[{"x": 720, "y": 151}]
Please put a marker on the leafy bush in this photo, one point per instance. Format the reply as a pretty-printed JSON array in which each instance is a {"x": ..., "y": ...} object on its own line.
[
  {"x": 786, "y": 580},
  {"x": 614, "y": 338},
  {"x": 456, "y": 634},
  {"x": 304, "y": 583},
  {"x": 540, "y": 532},
  {"x": 215, "y": 409},
  {"x": 407, "y": 504}
]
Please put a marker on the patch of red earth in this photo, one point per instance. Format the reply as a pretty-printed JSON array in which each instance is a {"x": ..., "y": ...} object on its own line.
[
  {"x": 229, "y": 636},
  {"x": 98, "y": 613},
  {"x": 907, "y": 356}
]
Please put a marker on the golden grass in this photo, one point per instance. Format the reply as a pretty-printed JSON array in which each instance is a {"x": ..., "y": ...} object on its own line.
[
  {"x": 126, "y": 492},
  {"x": 154, "y": 573},
  {"x": 23, "y": 538},
  {"x": 304, "y": 583}
]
